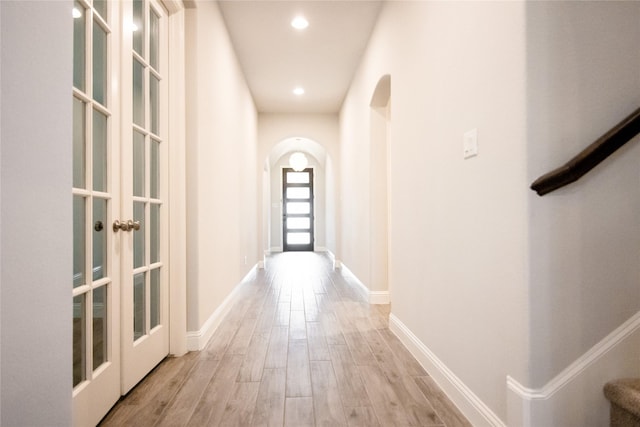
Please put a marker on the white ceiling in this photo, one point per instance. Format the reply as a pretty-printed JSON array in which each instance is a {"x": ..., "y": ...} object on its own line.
[{"x": 322, "y": 59}]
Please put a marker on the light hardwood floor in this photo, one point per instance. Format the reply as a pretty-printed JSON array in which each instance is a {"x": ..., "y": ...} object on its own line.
[{"x": 300, "y": 347}]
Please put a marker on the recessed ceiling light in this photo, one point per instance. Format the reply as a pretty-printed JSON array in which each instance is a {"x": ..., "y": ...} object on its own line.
[
  {"x": 298, "y": 91},
  {"x": 299, "y": 22}
]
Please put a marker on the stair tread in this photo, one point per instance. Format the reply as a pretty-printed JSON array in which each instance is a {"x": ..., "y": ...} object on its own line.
[{"x": 625, "y": 393}]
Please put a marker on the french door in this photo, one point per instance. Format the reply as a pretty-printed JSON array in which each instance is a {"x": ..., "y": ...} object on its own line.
[
  {"x": 96, "y": 201},
  {"x": 298, "y": 216},
  {"x": 120, "y": 311},
  {"x": 145, "y": 309}
]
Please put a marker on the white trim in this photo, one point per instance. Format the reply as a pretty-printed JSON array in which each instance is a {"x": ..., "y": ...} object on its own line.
[
  {"x": 177, "y": 184},
  {"x": 379, "y": 297},
  {"x": 471, "y": 406},
  {"x": 364, "y": 291},
  {"x": 372, "y": 297},
  {"x": 275, "y": 249},
  {"x": 173, "y": 6},
  {"x": 579, "y": 365},
  {"x": 197, "y": 340},
  {"x": 336, "y": 262}
]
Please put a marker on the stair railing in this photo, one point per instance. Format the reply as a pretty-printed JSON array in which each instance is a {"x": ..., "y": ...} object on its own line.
[{"x": 590, "y": 157}]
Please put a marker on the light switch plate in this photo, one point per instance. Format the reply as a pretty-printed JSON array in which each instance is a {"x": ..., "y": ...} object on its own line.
[{"x": 470, "y": 143}]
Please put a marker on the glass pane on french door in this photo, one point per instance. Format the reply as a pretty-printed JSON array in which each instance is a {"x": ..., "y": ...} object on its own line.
[
  {"x": 297, "y": 221},
  {"x": 92, "y": 275},
  {"x": 94, "y": 287},
  {"x": 146, "y": 168},
  {"x": 145, "y": 303}
]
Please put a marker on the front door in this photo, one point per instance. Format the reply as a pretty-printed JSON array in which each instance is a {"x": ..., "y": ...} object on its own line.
[
  {"x": 297, "y": 200},
  {"x": 120, "y": 194}
]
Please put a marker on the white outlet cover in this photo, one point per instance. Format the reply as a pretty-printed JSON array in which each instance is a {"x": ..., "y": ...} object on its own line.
[{"x": 470, "y": 144}]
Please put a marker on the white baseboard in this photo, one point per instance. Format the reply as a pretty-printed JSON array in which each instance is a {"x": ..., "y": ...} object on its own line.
[
  {"x": 578, "y": 366},
  {"x": 336, "y": 262},
  {"x": 373, "y": 297},
  {"x": 379, "y": 297},
  {"x": 578, "y": 388},
  {"x": 476, "y": 411},
  {"x": 197, "y": 340}
]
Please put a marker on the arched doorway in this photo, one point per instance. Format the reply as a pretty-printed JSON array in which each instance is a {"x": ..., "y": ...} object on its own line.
[
  {"x": 380, "y": 116},
  {"x": 321, "y": 227}
]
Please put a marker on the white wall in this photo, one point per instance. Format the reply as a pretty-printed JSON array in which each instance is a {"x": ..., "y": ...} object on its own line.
[
  {"x": 221, "y": 166},
  {"x": 36, "y": 213},
  {"x": 322, "y": 132},
  {"x": 458, "y": 242},
  {"x": 583, "y": 77},
  {"x": 331, "y": 206}
]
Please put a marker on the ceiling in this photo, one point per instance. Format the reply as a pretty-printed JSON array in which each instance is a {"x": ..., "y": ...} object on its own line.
[{"x": 276, "y": 58}]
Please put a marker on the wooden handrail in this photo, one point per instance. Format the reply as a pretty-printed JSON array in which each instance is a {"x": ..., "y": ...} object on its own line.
[{"x": 590, "y": 157}]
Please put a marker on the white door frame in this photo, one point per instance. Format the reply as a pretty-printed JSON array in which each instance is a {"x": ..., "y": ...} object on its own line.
[{"x": 177, "y": 180}]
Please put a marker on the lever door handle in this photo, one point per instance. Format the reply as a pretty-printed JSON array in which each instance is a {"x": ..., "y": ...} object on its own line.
[{"x": 126, "y": 226}]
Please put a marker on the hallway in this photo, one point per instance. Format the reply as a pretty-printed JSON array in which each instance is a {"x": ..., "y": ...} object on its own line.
[{"x": 299, "y": 347}]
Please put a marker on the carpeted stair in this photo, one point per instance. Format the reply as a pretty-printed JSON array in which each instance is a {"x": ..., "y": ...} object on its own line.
[{"x": 624, "y": 395}]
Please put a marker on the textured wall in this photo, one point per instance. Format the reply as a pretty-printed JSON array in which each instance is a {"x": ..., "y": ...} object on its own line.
[
  {"x": 221, "y": 166},
  {"x": 36, "y": 215}
]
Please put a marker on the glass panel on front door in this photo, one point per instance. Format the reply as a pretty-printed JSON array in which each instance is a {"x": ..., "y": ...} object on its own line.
[{"x": 297, "y": 202}]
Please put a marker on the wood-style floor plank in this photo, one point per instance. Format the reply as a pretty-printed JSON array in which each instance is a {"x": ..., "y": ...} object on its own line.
[
  {"x": 299, "y": 347},
  {"x": 446, "y": 410},
  {"x": 210, "y": 407},
  {"x": 361, "y": 416},
  {"x": 350, "y": 385},
  {"x": 385, "y": 401},
  {"x": 331, "y": 327},
  {"x": 328, "y": 408},
  {"x": 297, "y": 325},
  {"x": 298, "y": 412},
  {"x": 318, "y": 347},
  {"x": 239, "y": 407},
  {"x": 298, "y": 374},
  {"x": 278, "y": 347},
  {"x": 254, "y": 361},
  {"x": 242, "y": 338},
  {"x": 410, "y": 364},
  {"x": 145, "y": 404},
  {"x": 283, "y": 313},
  {"x": 185, "y": 401},
  {"x": 269, "y": 408}
]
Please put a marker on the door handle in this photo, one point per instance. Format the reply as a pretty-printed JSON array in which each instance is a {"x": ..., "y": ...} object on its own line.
[
  {"x": 133, "y": 225},
  {"x": 126, "y": 226}
]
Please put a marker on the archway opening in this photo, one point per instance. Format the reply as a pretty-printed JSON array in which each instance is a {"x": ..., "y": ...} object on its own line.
[
  {"x": 380, "y": 116},
  {"x": 274, "y": 201}
]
